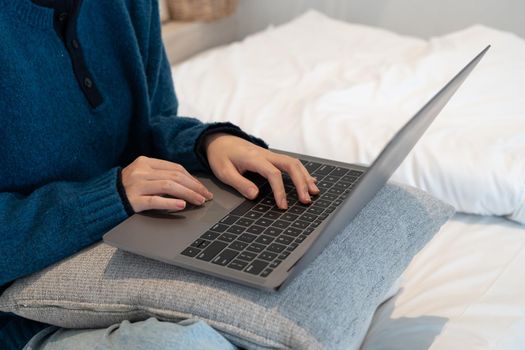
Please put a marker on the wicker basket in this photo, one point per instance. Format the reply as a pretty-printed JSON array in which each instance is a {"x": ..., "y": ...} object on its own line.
[{"x": 200, "y": 10}]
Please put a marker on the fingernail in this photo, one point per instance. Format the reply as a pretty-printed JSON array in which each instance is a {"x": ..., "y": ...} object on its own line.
[
  {"x": 314, "y": 178},
  {"x": 252, "y": 192},
  {"x": 181, "y": 205},
  {"x": 284, "y": 203},
  {"x": 209, "y": 195}
]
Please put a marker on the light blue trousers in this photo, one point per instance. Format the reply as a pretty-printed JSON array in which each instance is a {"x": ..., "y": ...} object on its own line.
[{"x": 150, "y": 335}]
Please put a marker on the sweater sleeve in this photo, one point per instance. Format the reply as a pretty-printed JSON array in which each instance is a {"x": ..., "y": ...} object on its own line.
[
  {"x": 176, "y": 138},
  {"x": 55, "y": 221}
]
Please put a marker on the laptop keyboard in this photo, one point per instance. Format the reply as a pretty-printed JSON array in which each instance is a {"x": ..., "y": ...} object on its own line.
[{"x": 257, "y": 236}]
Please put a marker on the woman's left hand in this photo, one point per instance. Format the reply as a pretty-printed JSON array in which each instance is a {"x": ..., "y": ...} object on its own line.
[{"x": 231, "y": 156}]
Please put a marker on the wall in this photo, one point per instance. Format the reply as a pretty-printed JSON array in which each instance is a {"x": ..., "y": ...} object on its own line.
[{"x": 422, "y": 18}]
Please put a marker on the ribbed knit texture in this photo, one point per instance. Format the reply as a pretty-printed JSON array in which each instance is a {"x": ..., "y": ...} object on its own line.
[{"x": 59, "y": 156}]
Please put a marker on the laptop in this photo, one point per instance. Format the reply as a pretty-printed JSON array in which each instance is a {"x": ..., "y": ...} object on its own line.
[{"x": 252, "y": 242}]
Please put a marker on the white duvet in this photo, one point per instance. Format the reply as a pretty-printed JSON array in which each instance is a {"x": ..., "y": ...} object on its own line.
[{"x": 340, "y": 90}]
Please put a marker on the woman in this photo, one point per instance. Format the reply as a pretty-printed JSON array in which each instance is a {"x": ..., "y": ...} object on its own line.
[{"x": 90, "y": 135}]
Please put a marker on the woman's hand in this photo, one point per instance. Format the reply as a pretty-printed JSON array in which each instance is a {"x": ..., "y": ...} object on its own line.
[
  {"x": 230, "y": 156},
  {"x": 158, "y": 184}
]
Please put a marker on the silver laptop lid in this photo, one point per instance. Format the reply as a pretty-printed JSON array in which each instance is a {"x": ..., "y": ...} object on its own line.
[{"x": 385, "y": 164}]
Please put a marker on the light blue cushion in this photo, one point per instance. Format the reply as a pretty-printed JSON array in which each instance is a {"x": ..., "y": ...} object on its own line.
[{"x": 328, "y": 306}]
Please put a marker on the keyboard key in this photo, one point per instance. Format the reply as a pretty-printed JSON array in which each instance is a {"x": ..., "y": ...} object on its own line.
[
  {"x": 284, "y": 255},
  {"x": 229, "y": 219},
  {"x": 225, "y": 257},
  {"x": 292, "y": 246},
  {"x": 289, "y": 217},
  {"x": 266, "y": 272},
  {"x": 272, "y": 215},
  {"x": 200, "y": 243},
  {"x": 263, "y": 239},
  {"x": 321, "y": 203},
  {"x": 329, "y": 197},
  {"x": 256, "y": 247},
  {"x": 261, "y": 208},
  {"x": 339, "y": 172},
  {"x": 264, "y": 222},
  {"x": 248, "y": 256},
  {"x": 300, "y": 239},
  {"x": 213, "y": 249},
  {"x": 275, "y": 263},
  {"x": 324, "y": 215},
  {"x": 190, "y": 251},
  {"x": 266, "y": 255},
  {"x": 331, "y": 178},
  {"x": 316, "y": 223},
  {"x": 336, "y": 191},
  {"x": 344, "y": 185},
  {"x": 246, "y": 238},
  {"x": 284, "y": 239},
  {"x": 309, "y": 230},
  {"x": 273, "y": 231},
  {"x": 312, "y": 166},
  {"x": 325, "y": 169},
  {"x": 267, "y": 201},
  {"x": 256, "y": 266},
  {"x": 292, "y": 231},
  {"x": 238, "y": 264},
  {"x": 253, "y": 215},
  {"x": 323, "y": 185},
  {"x": 329, "y": 210},
  {"x": 255, "y": 229},
  {"x": 219, "y": 228},
  {"x": 243, "y": 208},
  {"x": 300, "y": 224},
  {"x": 297, "y": 209},
  {"x": 281, "y": 224},
  {"x": 245, "y": 222},
  {"x": 315, "y": 210},
  {"x": 349, "y": 178},
  {"x": 210, "y": 235},
  {"x": 227, "y": 237},
  {"x": 276, "y": 247},
  {"x": 308, "y": 217},
  {"x": 355, "y": 173},
  {"x": 237, "y": 245},
  {"x": 236, "y": 229}
]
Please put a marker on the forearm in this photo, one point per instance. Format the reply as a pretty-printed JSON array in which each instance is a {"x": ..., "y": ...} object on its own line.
[{"x": 54, "y": 222}]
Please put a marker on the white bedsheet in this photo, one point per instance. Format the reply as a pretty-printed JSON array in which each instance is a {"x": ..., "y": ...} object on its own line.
[
  {"x": 464, "y": 290},
  {"x": 340, "y": 91}
]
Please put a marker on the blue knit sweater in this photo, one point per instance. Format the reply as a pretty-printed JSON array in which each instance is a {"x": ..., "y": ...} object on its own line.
[{"x": 82, "y": 94}]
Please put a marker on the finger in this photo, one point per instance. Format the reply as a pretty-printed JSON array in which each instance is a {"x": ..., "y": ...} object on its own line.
[
  {"x": 171, "y": 188},
  {"x": 310, "y": 180},
  {"x": 231, "y": 176},
  {"x": 293, "y": 167},
  {"x": 181, "y": 178},
  {"x": 160, "y": 164},
  {"x": 159, "y": 203},
  {"x": 274, "y": 177}
]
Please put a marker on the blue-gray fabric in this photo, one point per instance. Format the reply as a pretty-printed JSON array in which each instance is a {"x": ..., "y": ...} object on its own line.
[
  {"x": 151, "y": 334},
  {"x": 328, "y": 306}
]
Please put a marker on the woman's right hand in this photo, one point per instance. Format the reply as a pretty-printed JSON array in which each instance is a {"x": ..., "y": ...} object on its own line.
[{"x": 158, "y": 184}]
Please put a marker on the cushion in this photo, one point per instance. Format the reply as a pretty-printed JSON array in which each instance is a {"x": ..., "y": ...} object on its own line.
[
  {"x": 340, "y": 91},
  {"x": 328, "y": 306}
]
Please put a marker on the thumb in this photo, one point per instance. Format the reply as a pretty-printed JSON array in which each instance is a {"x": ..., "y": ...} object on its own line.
[{"x": 231, "y": 176}]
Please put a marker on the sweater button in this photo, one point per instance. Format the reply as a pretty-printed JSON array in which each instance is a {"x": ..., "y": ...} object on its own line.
[
  {"x": 62, "y": 16},
  {"x": 74, "y": 43},
  {"x": 88, "y": 83}
]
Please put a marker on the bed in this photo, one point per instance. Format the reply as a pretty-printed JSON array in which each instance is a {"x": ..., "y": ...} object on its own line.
[{"x": 339, "y": 90}]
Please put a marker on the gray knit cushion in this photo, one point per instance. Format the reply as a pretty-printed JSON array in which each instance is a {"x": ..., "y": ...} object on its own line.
[{"x": 328, "y": 306}]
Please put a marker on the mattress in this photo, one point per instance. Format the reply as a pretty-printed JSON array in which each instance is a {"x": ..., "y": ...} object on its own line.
[{"x": 340, "y": 91}]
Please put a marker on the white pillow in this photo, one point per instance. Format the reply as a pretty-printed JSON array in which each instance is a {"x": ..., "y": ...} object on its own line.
[{"x": 340, "y": 90}]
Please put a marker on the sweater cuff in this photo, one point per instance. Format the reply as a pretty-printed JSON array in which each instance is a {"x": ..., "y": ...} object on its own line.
[
  {"x": 123, "y": 195},
  {"x": 101, "y": 204},
  {"x": 227, "y": 128}
]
